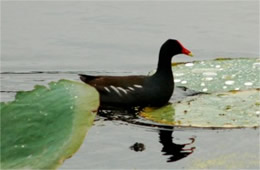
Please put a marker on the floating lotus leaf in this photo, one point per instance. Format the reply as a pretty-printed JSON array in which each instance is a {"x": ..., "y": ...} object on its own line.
[
  {"x": 245, "y": 160},
  {"x": 226, "y": 109},
  {"x": 218, "y": 75},
  {"x": 43, "y": 127}
]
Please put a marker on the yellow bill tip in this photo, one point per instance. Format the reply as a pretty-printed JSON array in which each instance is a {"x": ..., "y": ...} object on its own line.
[{"x": 190, "y": 54}]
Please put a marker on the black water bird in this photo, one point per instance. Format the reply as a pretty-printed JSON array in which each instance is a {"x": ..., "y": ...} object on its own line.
[{"x": 131, "y": 91}]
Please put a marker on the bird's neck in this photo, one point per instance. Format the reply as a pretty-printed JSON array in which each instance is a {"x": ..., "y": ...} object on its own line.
[{"x": 164, "y": 65}]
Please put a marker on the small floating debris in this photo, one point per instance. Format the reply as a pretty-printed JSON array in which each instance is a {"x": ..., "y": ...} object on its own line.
[{"x": 138, "y": 147}]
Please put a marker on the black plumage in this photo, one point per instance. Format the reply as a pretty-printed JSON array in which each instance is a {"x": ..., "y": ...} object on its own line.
[{"x": 129, "y": 91}]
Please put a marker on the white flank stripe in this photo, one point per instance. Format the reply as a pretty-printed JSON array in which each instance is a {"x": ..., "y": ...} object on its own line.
[
  {"x": 107, "y": 89},
  {"x": 138, "y": 86},
  {"x": 131, "y": 88},
  {"x": 116, "y": 90},
  {"x": 123, "y": 90}
]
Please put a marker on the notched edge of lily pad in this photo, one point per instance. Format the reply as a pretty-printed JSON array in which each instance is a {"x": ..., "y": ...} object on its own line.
[{"x": 21, "y": 93}]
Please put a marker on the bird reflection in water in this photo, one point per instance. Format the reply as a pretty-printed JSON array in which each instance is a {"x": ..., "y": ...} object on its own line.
[{"x": 175, "y": 151}]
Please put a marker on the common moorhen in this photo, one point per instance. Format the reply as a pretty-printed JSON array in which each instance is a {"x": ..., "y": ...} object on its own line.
[{"x": 131, "y": 91}]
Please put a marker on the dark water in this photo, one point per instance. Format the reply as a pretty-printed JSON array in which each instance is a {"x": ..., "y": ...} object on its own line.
[{"x": 46, "y": 41}]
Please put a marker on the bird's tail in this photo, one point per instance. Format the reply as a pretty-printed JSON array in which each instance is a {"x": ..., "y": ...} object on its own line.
[{"x": 86, "y": 78}]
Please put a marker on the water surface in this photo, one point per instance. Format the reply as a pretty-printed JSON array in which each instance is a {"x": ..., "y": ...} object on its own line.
[{"x": 46, "y": 41}]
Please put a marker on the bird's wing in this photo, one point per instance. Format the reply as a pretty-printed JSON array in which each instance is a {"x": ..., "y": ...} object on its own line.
[{"x": 106, "y": 83}]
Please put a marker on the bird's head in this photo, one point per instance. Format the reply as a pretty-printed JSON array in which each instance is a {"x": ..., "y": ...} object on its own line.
[{"x": 173, "y": 47}]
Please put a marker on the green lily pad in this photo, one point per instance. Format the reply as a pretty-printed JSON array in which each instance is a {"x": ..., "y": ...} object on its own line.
[
  {"x": 43, "y": 127},
  {"x": 221, "y": 110},
  {"x": 218, "y": 75},
  {"x": 227, "y": 161}
]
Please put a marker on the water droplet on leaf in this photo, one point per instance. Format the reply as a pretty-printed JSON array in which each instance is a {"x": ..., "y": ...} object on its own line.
[
  {"x": 189, "y": 64},
  {"x": 177, "y": 80},
  {"x": 178, "y": 74},
  {"x": 229, "y": 82},
  {"x": 184, "y": 82},
  {"x": 209, "y": 74},
  {"x": 248, "y": 83},
  {"x": 209, "y": 78},
  {"x": 205, "y": 89}
]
